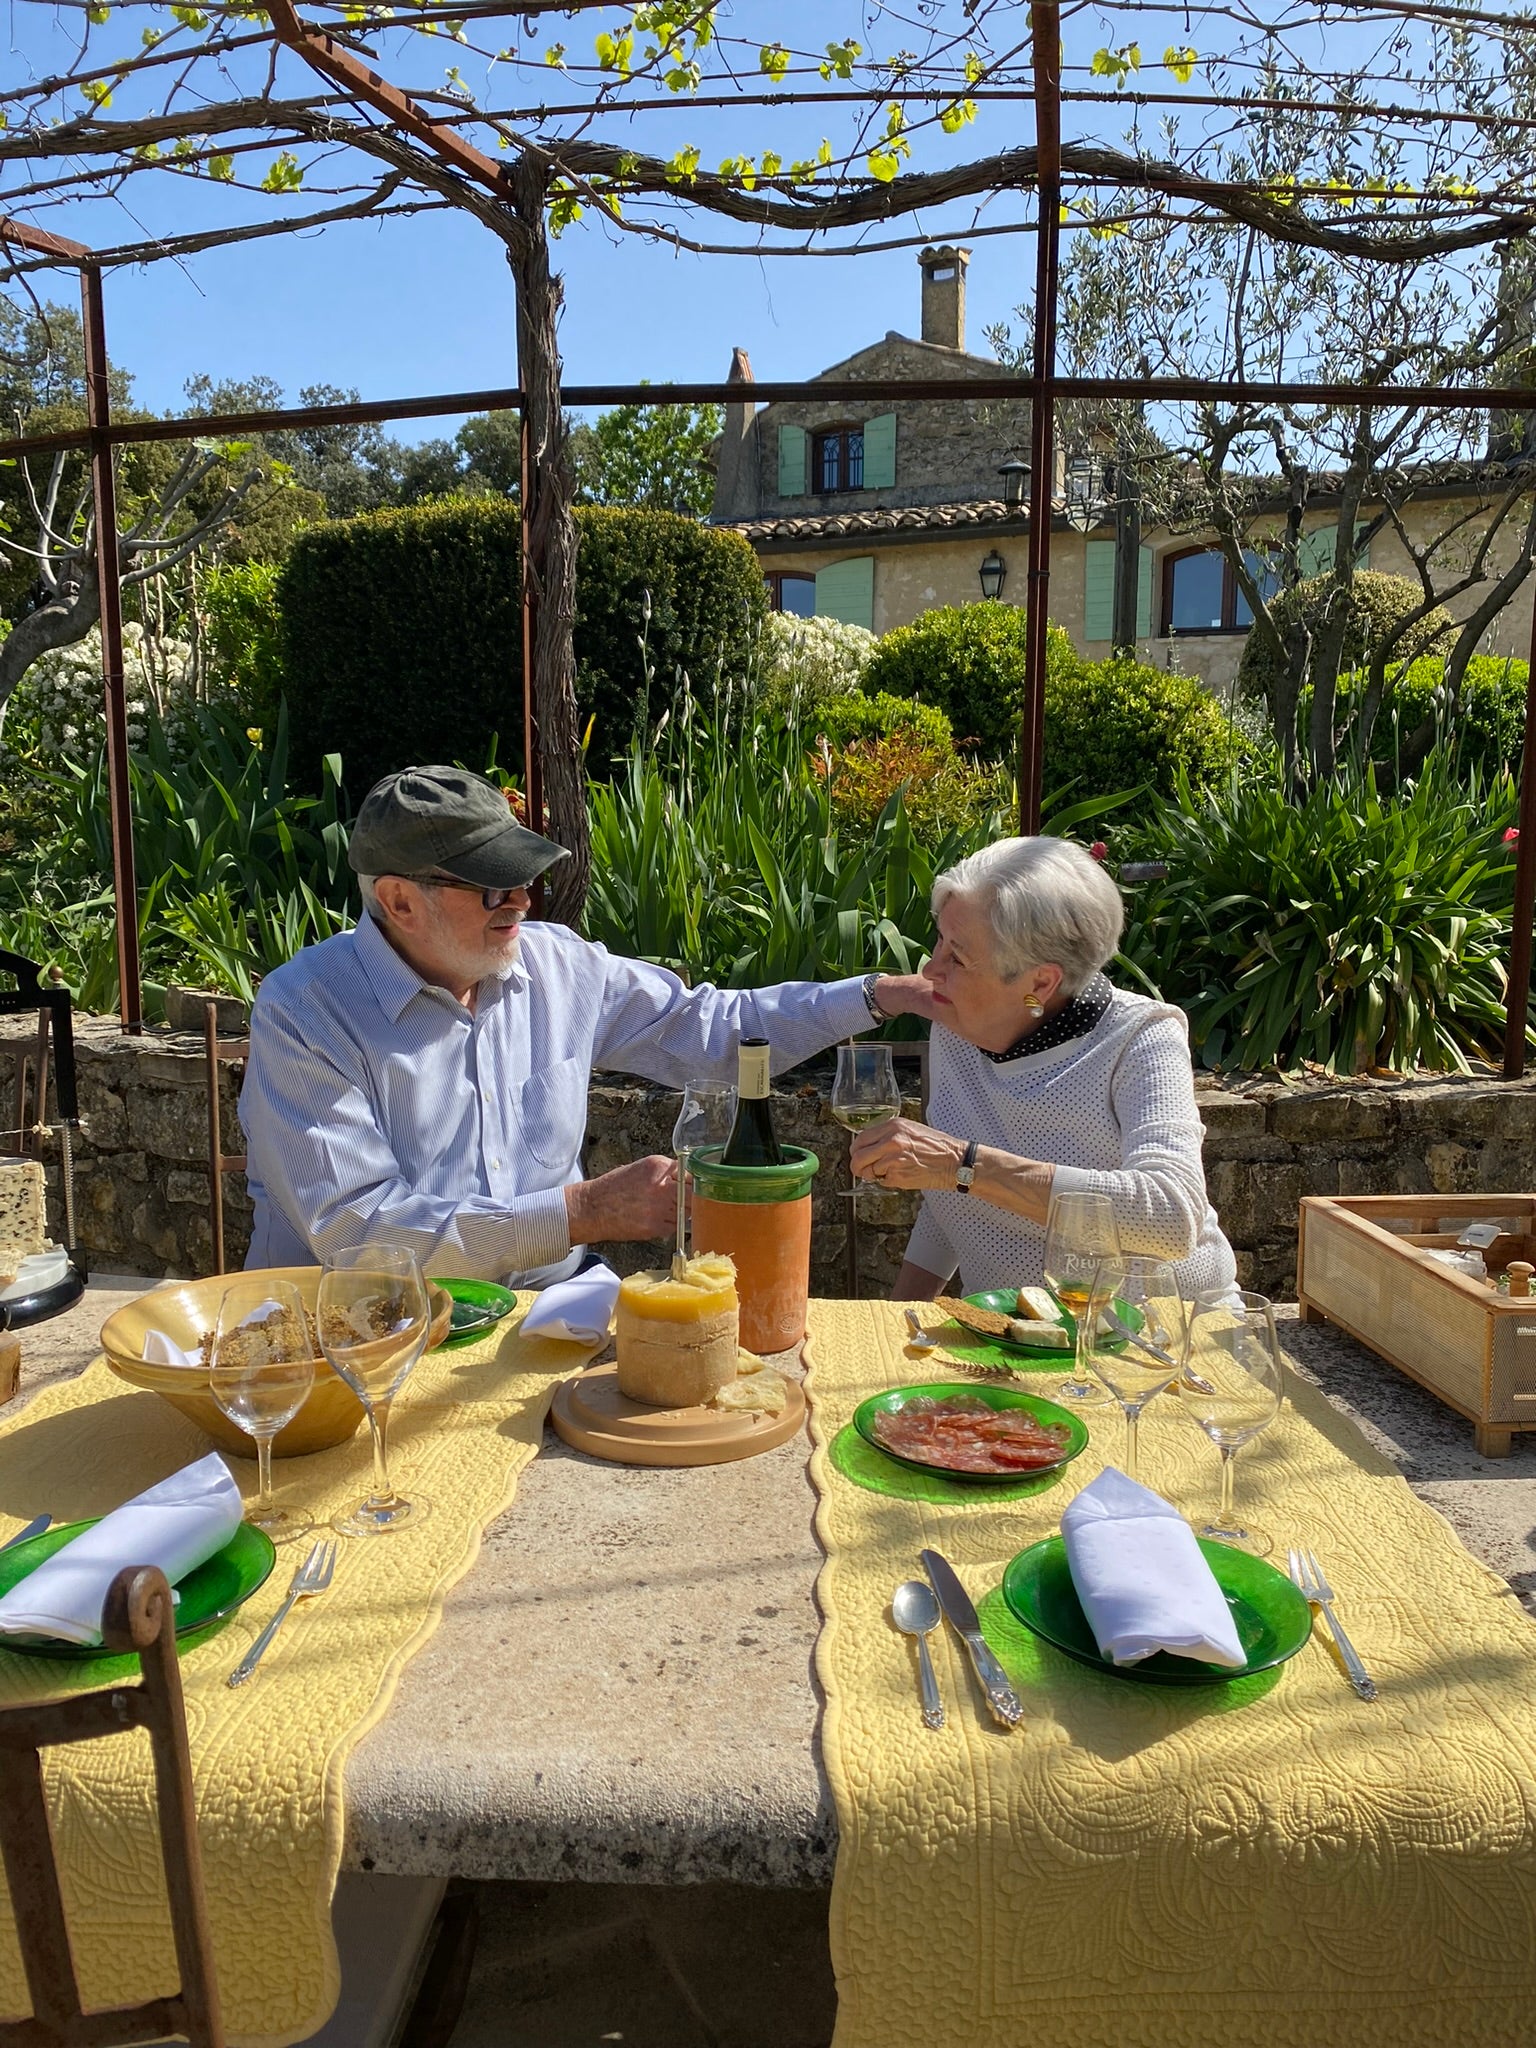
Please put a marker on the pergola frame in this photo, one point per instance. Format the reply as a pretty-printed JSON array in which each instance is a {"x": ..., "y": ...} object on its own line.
[{"x": 1042, "y": 387}]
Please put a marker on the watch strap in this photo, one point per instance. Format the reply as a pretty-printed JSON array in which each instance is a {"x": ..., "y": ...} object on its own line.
[
  {"x": 877, "y": 1015},
  {"x": 965, "y": 1173}
]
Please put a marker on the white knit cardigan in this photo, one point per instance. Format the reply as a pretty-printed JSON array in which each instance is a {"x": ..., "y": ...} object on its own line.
[{"x": 1113, "y": 1111}]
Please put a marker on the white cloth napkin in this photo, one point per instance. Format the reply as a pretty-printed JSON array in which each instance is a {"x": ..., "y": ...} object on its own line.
[
  {"x": 580, "y": 1311},
  {"x": 1143, "y": 1582},
  {"x": 176, "y": 1525}
]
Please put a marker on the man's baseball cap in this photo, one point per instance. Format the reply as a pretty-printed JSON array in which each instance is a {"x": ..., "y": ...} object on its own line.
[{"x": 447, "y": 818}]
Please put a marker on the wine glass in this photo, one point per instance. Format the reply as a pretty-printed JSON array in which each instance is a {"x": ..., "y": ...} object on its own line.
[
  {"x": 705, "y": 1118},
  {"x": 260, "y": 1373},
  {"x": 1141, "y": 1347},
  {"x": 374, "y": 1314},
  {"x": 1232, "y": 1385},
  {"x": 1080, "y": 1235},
  {"x": 865, "y": 1091}
]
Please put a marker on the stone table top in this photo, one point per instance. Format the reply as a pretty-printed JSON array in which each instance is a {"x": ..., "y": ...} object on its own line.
[{"x": 621, "y": 1689}]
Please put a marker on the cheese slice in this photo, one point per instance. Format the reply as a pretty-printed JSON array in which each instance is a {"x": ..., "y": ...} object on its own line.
[
  {"x": 1043, "y": 1336},
  {"x": 1038, "y": 1304}
]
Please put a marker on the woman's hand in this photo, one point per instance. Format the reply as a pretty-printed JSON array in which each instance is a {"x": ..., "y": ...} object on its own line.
[
  {"x": 906, "y": 995},
  {"x": 902, "y": 1154}
]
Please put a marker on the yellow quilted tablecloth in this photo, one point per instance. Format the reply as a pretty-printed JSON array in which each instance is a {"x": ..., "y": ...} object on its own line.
[
  {"x": 268, "y": 1759},
  {"x": 1268, "y": 1864}
]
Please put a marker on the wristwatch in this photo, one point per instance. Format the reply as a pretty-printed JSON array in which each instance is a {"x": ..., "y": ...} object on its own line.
[
  {"x": 877, "y": 1015},
  {"x": 965, "y": 1172}
]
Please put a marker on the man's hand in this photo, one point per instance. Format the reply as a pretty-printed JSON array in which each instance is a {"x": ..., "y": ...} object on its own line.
[
  {"x": 902, "y": 1154},
  {"x": 632, "y": 1204},
  {"x": 905, "y": 995}
]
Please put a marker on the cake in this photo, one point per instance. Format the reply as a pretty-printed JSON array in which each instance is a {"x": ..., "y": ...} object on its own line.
[
  {"x": 22, "y": 1229},
  {"x": 676, "y": 1338}
]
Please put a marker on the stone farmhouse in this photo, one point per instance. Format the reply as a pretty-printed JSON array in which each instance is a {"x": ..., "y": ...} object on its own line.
[{"x": 874, "y": 514}]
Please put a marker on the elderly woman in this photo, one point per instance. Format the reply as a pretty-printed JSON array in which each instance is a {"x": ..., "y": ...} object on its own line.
[{"x": 1043, "y": 1078}]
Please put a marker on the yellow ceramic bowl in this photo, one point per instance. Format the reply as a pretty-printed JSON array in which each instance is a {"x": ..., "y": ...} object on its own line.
[{"x": 185, "y": 1310}]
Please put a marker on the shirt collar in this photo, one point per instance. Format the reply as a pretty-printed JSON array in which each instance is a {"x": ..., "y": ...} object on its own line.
[
  {"x": 394, "y": 980},
  {"x": 1075, "y": 1021}
]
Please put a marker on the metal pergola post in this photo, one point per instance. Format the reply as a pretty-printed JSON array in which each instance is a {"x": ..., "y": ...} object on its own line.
[
  {"x": 1517, "y": 991},
  {"x": 1045, "y": 19}
]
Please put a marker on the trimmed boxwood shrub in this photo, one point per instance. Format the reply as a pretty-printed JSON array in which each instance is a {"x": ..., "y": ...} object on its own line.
[
  {"x": 1490, "y": 723},
  {"x": 402, "y": 631},
  {"x": 1111, "y": 725},
  {"x": 844, "y": 719},
  {"x": 1376, "y": 603},
  {"x": 969, "y": 660}
]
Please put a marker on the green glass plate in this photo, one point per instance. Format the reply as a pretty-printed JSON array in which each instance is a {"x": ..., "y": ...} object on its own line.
[
  {"x": 1273, "y": 1620},
  {"x": 209, "y": 1595},
  {"x": 1005, "y": 1301},
  {"x": 1046, "y": 1412},
  {"x": 478, "y": 1306}
]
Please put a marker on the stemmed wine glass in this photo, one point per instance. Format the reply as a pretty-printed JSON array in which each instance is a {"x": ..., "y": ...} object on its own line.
[
  {"x": 865, "y": 1091},
  {"x": 1232, "y": 1385},
  {"x": 1146, "y": 1352},
  {"x": 705, "y": 1118},
  {"x": 374, "y": 1314},
  {"x": 1080, "y": 1235},
  {"x": 260, "y": 1374}
]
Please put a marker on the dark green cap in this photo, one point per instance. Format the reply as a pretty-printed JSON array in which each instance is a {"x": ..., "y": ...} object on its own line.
[{"x": 421, "y": 819}]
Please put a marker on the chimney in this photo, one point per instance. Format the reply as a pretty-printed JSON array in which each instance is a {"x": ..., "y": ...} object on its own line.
[
  {"x": 943, "y": 271},
  {"x": 736, "y": 491}
]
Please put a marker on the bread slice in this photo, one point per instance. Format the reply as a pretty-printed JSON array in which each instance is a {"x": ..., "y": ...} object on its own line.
[{"x": 987, "y": 1322}]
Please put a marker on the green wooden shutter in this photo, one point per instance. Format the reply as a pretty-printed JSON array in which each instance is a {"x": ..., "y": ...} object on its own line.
[
  {"x": 846, "y": 591},
  {"x": 1144, "y": 595},
  {"x": 1315, "y": 555},
  {"x": 1098, "y": 589},
  {"x": 792, "y": 462},
  {"x": 880, "y": 453}
]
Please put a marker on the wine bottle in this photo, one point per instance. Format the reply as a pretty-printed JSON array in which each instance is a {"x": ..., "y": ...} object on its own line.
[{"x": 752, "y": 1142}]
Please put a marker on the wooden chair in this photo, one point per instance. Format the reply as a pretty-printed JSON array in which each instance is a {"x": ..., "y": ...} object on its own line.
[
  {"x": 138, "y": 1616},
  {"x": 221, "y": 1052}
]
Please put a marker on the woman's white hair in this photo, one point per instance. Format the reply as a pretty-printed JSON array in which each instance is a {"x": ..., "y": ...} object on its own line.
[{"x": 1050, "y": 904}]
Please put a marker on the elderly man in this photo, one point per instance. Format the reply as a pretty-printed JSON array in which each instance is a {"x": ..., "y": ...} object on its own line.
[{"x": 425, "y": 1076}]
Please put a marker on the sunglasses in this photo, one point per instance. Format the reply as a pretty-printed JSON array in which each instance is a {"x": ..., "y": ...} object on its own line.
[{"x": 491, "y": 899}]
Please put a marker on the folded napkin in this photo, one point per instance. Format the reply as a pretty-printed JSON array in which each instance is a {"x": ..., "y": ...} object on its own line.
[
  {"x": 176, "y": 1525},
  {"x": 579, "y": 1310},
  {"x": 1143, "y": 1582}
]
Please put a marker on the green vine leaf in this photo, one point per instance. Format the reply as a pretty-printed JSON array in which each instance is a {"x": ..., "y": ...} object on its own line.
[
  {"x": 285, "y": 175},
  {"x": 1181, "y": 61},
  {"x": 773, "y": 59}
]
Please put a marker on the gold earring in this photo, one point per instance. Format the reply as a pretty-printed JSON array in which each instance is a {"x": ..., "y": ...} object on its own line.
[{"x": 1034, "y": 1009}]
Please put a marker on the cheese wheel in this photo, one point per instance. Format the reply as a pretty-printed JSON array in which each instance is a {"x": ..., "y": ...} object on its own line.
[
  {"x": 675, "y": 1340},
  {"x": 22, "y": 1227}
]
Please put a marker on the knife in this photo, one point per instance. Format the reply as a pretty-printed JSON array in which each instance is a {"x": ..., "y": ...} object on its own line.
[
  {"x": 34, "y": 1528},
  {"x": 962, "y": 1617}
]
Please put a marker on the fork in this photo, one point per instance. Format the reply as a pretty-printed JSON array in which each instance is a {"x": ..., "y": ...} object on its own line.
[
  {"x": 312, "y": 1576},
  {"x": 1307, "y": 1577}
]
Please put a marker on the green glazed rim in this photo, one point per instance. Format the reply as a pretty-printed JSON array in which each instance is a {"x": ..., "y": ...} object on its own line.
[{"x": 786, "y": 1183}]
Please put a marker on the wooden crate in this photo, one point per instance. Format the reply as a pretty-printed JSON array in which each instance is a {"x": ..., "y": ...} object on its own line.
[{"x": 1362, "y": 1263}]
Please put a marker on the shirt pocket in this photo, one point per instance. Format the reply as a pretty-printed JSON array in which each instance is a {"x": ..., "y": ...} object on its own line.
[{"x": 552, "y": 1113}]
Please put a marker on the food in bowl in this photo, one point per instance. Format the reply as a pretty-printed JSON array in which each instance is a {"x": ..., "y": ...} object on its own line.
[
  {"x": 261, "y": 1338},
  {"x": 963, "y": 1433}
]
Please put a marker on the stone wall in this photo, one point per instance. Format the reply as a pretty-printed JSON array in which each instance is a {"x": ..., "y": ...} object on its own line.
[{"x": 142, "y": 1179}]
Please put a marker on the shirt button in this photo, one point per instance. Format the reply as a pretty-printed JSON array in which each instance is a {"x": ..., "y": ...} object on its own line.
[{"x": 497, "y": 1164}]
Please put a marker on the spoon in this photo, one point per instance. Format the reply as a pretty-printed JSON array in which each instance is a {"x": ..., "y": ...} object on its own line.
[
  {"x": 918, "y": 1339},
  {"x": 915, "y": 1610}
]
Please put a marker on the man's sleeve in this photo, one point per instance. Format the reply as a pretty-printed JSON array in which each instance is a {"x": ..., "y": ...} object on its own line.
[
  {"x": 316, "y": 1148},
  {"x": 653, "y": 1026}
]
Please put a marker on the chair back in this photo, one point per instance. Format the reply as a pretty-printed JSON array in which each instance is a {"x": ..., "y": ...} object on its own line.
[
  {"x": 139, "y": 1616},
  {"x": 220, "y": 1052}
]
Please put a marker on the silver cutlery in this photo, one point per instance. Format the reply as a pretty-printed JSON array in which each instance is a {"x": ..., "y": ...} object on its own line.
[
  {"x": 35, "y": 1527},
  {"x": 1307, "y": 1577},
  {"x": 960, "y": 1612},
  {"x": 312, "y": 1576},
  {"x": 1186, "y": 1373},
  {"x": 915, "y": 1611},
  {"x": 918, "y": 1339}
]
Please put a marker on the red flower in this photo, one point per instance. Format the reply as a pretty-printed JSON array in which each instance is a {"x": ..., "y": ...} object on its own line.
[
  {"x": 1098, "y": 849},
  {"x": 1512, "y": 833}
]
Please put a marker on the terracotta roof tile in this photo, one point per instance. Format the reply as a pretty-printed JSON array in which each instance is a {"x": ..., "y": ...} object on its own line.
[{"x": 882, "y": 519}]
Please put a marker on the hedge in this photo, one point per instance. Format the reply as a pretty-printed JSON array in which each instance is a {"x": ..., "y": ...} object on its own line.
[
  {"x": 1376, "y": 604},
  {"x": 402, "y": 632},
  {"x": 1489, "y": 728}
]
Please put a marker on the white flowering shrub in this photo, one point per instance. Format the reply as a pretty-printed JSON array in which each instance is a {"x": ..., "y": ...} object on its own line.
[
  {"x": 806, "y": 661},
  {"x": 57, "y": 706}
]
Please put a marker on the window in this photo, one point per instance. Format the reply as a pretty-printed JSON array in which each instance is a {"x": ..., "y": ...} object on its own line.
[
  {"x": 795, "y": 594},
  {"x": 837, "y": 460},
  {"x": 1200, "y": 592}
]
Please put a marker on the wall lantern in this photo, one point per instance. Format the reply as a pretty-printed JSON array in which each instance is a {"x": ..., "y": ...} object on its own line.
[
  {"x": 1087, "y": 494},
  {"x": 1015, "y": 476},
  {"x": 994, "y": 573}
]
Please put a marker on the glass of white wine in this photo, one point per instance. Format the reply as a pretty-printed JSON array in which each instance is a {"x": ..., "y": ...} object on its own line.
[
  {"x": 865, "y": 1090},
  {"x": 705, "y": 1118},
  {"x": 373, "y": 1316},
  {"x": 1080, "y": 1235},
  {"x": 1232, "y": 1385},
  {"x": 260, "y": 1374},
  {"x": 1140, "y": 1340}
]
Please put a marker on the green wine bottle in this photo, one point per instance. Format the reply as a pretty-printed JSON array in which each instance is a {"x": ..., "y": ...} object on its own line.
[{"x": 752, "y": 1142}]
